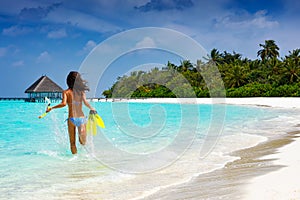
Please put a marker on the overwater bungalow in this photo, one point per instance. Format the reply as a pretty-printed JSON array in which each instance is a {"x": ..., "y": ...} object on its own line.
[{"x": 44, "y": 87}]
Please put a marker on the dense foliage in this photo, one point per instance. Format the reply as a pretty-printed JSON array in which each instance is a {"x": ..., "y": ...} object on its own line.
[{"x": 268, "y": 76}]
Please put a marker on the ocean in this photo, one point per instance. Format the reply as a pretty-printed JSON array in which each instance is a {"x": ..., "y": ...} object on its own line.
[{"x": 145, "y": 147}]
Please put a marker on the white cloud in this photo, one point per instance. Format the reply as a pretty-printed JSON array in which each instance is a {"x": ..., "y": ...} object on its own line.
[
  {"x": 43, "y": 57},
  {"x": 89, "y": 46},
  {"x": 233, "y": 27},
  {"x": 81, "y": 20},
  {"x": 165, "y": 5},
  {"x": 261, "y": 20},
  {"x": 18, "y": 63},
  {"x": 258, "y": 20},
  {"x": 61, "y": 33},
  {"x": 16, "y": 31},
  {"x": 9, "y": 50},
  {"x": 14, "y": 7},
  {"x": 147, "y": 42}
]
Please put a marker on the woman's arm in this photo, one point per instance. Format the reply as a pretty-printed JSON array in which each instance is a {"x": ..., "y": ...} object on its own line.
[
  {"x": 86, "y": 103},
  {"x": 62, "y": 104}
]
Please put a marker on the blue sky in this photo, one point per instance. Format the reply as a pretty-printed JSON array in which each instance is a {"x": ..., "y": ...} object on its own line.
[{"x": 54, "y": 37}]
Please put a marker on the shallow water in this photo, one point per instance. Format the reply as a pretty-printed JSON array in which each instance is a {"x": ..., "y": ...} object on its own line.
[{"x": 144, "y": 147}]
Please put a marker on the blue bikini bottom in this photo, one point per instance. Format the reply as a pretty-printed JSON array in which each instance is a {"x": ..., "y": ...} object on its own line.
[{"x": 78, "y": 121}]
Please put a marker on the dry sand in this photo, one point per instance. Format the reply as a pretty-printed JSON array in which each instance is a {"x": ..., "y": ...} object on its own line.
[{"x": 247, "y": 178}]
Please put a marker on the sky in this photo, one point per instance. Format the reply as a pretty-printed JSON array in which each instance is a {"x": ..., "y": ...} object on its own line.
[{"x": 52, "y": 37}]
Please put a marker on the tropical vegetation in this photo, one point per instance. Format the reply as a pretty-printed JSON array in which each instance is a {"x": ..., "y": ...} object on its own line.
[{"x": 267, "y": 76}]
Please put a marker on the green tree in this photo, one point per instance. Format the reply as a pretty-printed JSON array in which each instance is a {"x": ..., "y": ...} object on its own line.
[
  {"x": 215, "y": 56},
  {"x": 185, "y": 65},
  {"x": 236, "y": 74},
  {"x": 268, "y": 76},
  {"x": 170, "y": 66},
  {"x": 107, "y": 93},
  {"x": 294, "y": 56},
  {"x": 291, "y": 70},
  {"x": 269, "y": 50},
  {"x": 230, "y": 58}
]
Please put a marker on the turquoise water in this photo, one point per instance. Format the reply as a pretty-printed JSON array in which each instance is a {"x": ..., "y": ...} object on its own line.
[{"x": 144, "y": 147}]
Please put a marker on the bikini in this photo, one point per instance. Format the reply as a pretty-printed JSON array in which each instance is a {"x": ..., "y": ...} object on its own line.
[{"x": 77, "y": 121}]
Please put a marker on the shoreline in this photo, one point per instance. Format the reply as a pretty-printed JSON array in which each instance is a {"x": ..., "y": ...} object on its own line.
[
  {"x": 241, "y": 179},
  {"x": 278, "y": 102},
  {"x": 267, "y": 169},
  {"x": 264, "y": 171},
  {"x": 283, "y": 183}
]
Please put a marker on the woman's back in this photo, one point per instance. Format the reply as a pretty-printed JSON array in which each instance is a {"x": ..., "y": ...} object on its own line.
[{"x": 74, "y": 101}]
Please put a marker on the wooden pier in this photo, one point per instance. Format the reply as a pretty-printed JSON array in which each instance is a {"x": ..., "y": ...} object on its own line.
[
  {"x": 14, "y": 99},
  {"x": 26, "y": 99}
]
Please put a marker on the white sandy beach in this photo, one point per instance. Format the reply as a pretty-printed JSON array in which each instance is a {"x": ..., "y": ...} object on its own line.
[
  {"x": 280, "y": 102},
  {"x": 276, "y": 185},
  {"x": 283, "y": 183}
]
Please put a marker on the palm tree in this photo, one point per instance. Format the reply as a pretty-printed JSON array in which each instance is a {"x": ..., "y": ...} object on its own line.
[
  {"x": 254, "y": 64},
  {"x": 170, "y": 66},
  {"x": 291, "y": 71},
  {"x": 107, "y": 93},
  {"x": 269, "y": 50},
  {"x": 236, "y": 74},
  {"x": 294, "y": 55},
  {"x": 230, "y": 58},
  {"x": 291, "y": 67},
  {"x": 271, "y": 71},
  {"x": 186, "y": 65},
  {"x": 274, "y": 65},
  {"x": 215, "y": 56}
]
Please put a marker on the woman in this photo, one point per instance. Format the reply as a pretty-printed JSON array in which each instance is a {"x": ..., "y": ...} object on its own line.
[{"x": 73, "y": 97}]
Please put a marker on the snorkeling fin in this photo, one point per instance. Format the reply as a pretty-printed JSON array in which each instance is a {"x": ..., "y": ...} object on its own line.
[
  {"x": 99, "y": 121},
  {"x": 91, "y": 126},
  {"x": 45, "y": 113},
  {"x": 94, "y": 120}
]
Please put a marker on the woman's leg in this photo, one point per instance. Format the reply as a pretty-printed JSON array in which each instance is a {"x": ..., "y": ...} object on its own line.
[
  {"x": 82, "y": 134},
  {"x": 72, "y": 137}
]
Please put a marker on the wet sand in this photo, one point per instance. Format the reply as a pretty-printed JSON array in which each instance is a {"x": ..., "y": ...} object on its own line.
[{"x": 230, "y": 182}]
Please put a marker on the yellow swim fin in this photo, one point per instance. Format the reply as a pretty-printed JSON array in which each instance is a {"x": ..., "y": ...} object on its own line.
[
  {"x": 94, "y": 120},
  {"x": 99, "y": 121},
  {"x": 91, "y": 125},
  {"x": 45, "y": 113}
]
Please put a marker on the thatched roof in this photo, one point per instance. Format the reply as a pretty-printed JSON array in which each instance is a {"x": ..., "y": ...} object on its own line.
[{"x": 44, "y": 84}]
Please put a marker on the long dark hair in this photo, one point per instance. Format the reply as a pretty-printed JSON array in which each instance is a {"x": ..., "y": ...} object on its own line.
[{"x": 76, "y": 83}]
